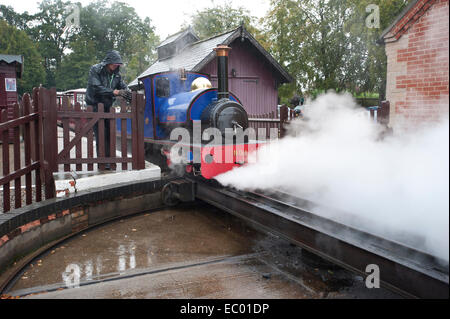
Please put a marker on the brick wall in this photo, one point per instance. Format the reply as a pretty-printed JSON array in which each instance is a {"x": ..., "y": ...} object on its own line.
[{"x": 418, "y": 62}]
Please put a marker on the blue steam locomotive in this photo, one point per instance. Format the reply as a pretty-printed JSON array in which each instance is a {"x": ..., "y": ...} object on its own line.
[{"x": 182, "y": 99}]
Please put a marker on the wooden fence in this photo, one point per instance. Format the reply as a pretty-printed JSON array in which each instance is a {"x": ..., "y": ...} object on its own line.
[
  {"x": 367, "y": 101},
  {"x": 31, "y": 123},
  {"x": 36, "y": 120},
  {"x": 380, "y": 114},
  {"x": 263, "y": 123},
  {"x": 278, "y": 120},
  {"x": 81, "y": 122}
]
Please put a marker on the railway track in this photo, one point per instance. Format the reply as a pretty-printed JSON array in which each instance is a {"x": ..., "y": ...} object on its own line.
[{"x": 402, "y": 269}]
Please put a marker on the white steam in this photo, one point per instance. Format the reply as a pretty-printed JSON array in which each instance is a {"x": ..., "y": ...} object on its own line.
[{"x": 397, "y": 187}]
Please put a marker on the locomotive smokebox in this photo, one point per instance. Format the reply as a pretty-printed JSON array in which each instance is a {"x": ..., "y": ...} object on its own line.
[{"x": 222, "y": 71}]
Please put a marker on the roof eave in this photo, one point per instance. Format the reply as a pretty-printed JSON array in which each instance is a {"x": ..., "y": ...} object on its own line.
[
  {"x": 241, "y": 31},
  {"x": 212, "y": 54},
  {"x": 382, "y": 39}
]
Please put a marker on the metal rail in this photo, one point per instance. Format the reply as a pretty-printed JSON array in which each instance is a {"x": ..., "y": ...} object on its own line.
[{"x": 404, "y": 270}]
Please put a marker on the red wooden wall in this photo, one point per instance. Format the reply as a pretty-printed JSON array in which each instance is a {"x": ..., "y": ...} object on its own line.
[{"x": 254, "y": 83}]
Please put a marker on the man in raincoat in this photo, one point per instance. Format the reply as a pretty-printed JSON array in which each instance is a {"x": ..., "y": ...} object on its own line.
[{"x": 104, "y": 85}]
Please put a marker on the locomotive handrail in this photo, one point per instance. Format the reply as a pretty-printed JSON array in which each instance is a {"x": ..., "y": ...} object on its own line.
[{"x": 253, "y": 119}]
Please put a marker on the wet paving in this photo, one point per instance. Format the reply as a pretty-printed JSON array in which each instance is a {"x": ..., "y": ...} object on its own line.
[{"x": 189, "y": 252}]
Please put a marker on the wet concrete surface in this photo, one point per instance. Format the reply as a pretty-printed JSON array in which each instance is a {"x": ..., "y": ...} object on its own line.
[{"x": 189, "y": 252}]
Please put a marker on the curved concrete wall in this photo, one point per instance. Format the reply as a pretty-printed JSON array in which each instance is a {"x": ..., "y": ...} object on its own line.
[{"x": 27, "y": 229}]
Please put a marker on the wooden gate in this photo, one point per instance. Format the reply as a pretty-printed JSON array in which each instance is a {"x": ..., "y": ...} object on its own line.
[
  {"x": 38, "y": 120},
  {"x": 25, "y": 123},
  {"x": 270, "y": 121},
  {"x": 82, "y": 122}
]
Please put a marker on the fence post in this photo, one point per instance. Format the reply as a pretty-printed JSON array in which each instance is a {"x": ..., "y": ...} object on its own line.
[
  {"x": 27, "y": 147},
  {"x": 284, "y": 114},
  {"x": 140, "y": 125},
  {"x": 37, "y": 138},
  {"x": 384, "y": 112},
  {"x": 137, "y": 131},
  {"x": 16, "y": 152},
  {"x": 5, "y": 157},
  {"x": 47, "y": 100}
]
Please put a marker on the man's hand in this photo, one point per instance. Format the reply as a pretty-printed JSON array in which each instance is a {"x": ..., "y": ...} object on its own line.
[{"x": 116, "y": 92}]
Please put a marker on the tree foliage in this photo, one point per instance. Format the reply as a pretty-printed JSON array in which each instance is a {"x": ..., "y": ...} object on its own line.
[
  {"x": 221, "y": 18},
  {"x": 323, "y": 44},
  {"x": 327, "y": 45},
  {"x": 374, "y": 66},
  {"x": 74, "y": 69},
  {"x": 218, "y": 19},
  {"x": 67, "y": 53}
]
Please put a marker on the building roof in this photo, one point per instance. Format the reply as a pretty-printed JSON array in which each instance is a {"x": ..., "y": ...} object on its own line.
[
  {"x": 198, "y": 54},
  {"x": 16, "y": 59},
  {"x": 409, "y": 15},
  {"x": 11, "y": 58},
  {"x": 176, "y": 36}
]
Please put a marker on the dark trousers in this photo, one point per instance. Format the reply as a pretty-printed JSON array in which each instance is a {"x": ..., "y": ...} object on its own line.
[{"x": 106, "y": 140}]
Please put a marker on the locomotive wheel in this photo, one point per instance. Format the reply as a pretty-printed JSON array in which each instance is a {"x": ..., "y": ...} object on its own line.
[{"x": 168, "y": 195}]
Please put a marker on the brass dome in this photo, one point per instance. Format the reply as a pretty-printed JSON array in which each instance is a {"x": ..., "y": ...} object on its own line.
[{"x": 200, "y": 84}]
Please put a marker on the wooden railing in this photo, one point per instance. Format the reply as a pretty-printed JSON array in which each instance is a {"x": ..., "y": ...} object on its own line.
[
  {"x": 29, "y": 128},
  {"x": 278, "y": 120},
  {"x": 273, "y": 120},
  {"x": 82, "y": 122},
  {"x": 35, "y": 122},
  {"x": 380, "y": 114}
]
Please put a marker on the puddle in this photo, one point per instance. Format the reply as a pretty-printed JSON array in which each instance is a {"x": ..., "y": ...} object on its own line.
[{"x": 140, "y": 242}]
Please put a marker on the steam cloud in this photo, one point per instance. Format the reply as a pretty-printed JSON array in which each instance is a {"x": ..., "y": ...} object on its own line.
[{"x": 396, "y": 187}]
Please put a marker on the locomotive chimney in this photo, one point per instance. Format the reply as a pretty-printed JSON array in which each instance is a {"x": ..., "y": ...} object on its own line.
[{"x": 222, "y": 71}]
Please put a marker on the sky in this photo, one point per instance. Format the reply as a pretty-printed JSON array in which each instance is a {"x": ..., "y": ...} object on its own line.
[{"x": 167, "y": 15}]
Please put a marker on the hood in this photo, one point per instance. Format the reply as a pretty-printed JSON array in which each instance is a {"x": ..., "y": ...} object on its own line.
[{"x": 112, "y": 57}]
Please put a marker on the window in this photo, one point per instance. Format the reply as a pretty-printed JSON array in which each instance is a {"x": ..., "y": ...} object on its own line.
[{"x": 162, "y": 87}]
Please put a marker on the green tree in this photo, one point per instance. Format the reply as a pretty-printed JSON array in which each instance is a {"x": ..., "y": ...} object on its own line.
[
  {"x": 115, "y": 25},
  {"x": 219, "y": 19},
  {"x": 74, "y": 70},
  {"x": 47, "y": 29},
  {"x": 327, "y": 45},
  {"x": 373, "y": 75},
  {"x": 18, "y": 20},
  {"x": 310, "y": 40},
  {"x": 16, "y": 42},
  {"x": 143, "y": 54},
  {"x": 104, "y": 25}
]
